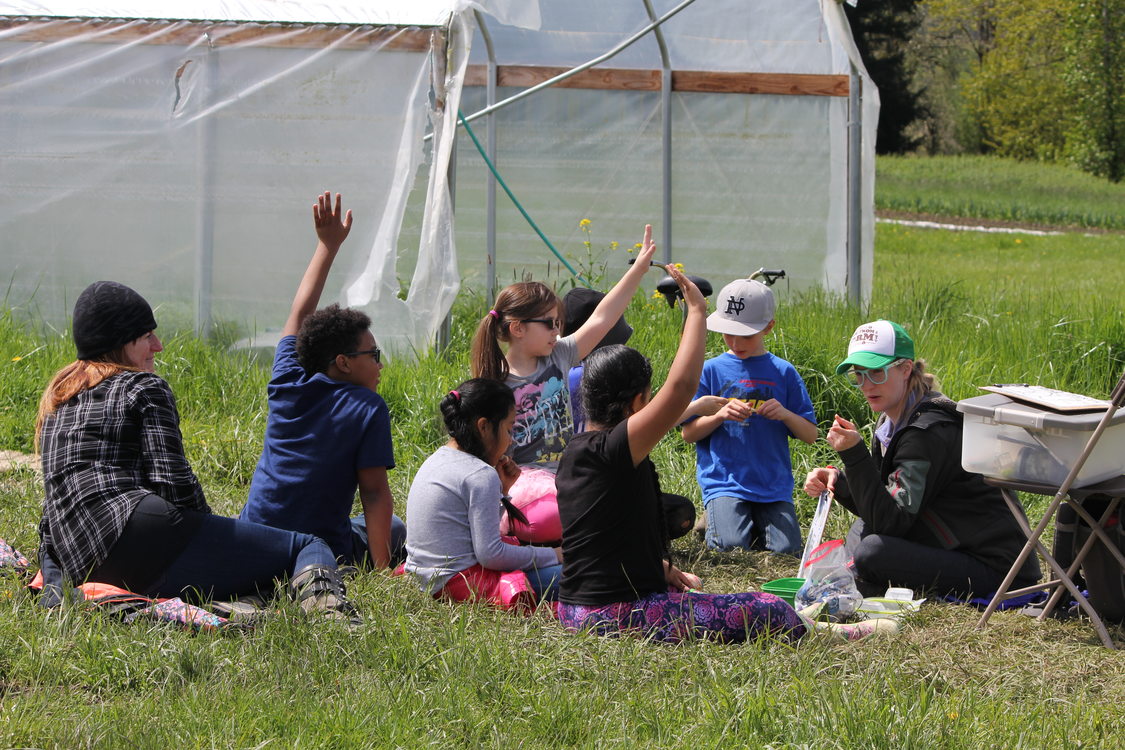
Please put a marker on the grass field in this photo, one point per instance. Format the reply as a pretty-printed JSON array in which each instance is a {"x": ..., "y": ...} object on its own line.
[
  {"x": 982, "y": 308},
  {"x": 985, "y": 187}
]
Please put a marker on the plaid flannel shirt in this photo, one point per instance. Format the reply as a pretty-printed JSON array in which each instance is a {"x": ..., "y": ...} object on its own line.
[{"x": 102, "y": 452}]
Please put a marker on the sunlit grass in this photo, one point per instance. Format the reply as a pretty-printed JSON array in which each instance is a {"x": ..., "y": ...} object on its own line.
[
  {"x": 993, "y": 188},
  {"x": 982, "y": 308}
]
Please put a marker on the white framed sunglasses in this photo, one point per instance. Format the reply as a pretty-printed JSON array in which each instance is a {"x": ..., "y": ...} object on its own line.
[{"x": 876, "y": 376}]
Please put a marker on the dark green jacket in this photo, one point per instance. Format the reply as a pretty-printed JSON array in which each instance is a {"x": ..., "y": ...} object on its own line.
[{"x": 918, "y": 491}]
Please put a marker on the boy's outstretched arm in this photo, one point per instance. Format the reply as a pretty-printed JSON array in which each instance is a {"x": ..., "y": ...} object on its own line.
[
  {"x": 378, "y": 507},
  {"x": 332, "y": 227}
]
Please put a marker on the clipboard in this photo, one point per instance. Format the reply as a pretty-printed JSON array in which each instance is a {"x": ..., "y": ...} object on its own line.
[{"x": 1048, "y": 398}]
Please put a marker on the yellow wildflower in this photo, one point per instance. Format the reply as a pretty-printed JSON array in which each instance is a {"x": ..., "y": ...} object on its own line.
[
  {"x": 613, "y": 245},
  {"x": 17, "y": 358},
  {"x": 584, "y": 223},
  {"x": 679, "y": 266},
  {"x": 637, "y": 246},
  {"x": 657, "y": 295}
]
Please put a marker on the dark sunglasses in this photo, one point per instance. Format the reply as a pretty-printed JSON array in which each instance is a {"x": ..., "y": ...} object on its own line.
[
  {"x": 552, "y": 323},
  {"x": 373, "y": 353}
]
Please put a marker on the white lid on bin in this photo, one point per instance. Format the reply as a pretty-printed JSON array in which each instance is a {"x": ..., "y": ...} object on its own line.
[{"x": 1001, "y": 409}]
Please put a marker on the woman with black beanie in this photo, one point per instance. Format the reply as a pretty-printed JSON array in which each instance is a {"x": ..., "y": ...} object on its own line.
[{"x": 122, "y": 505}]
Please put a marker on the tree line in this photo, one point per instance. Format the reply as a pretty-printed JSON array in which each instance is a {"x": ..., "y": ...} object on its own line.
[{"x": 1030, "y": 79}]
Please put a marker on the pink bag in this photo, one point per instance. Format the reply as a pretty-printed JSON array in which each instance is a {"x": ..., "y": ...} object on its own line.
[
  {"x": 535, "y": 496},
  {"x": 504, "y": 589}
]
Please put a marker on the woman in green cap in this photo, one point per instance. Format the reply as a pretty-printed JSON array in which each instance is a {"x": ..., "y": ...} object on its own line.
[{"x": 923, "y": 521}]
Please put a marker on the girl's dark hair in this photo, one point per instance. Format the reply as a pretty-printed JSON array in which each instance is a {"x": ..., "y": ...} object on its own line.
[
  {"x": 327, "y": 332},
  {"x": 612, "y": 378},
  {"x": 527, "y": 299},
  {"x": 468, "y": 402}
]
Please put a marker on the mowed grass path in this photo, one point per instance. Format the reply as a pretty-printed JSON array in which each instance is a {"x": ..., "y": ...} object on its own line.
[
  {"x": 986, "y": 187},
  {"x": 424, "y": 674}
]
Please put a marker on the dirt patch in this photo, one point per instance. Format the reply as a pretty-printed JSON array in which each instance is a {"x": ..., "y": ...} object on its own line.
[
  {"x": 13, "y": 460},
  {"x": 964, "y": 221}
]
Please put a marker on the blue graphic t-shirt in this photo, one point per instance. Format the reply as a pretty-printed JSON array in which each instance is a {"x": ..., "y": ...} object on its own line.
[
  {"x": 750, "y": 460},
  {"x": 543, "y": 425}
]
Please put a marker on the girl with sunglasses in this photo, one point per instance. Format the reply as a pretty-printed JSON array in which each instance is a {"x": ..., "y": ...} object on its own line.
[
  {"x": 923, "y": 521},
  {"x": 527, "y": 318}
]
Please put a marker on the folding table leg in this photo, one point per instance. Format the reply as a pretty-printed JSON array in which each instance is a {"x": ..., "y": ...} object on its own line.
[
  {"x": 1098, "y": 530},
  {"x": 1033, "y": 543}
]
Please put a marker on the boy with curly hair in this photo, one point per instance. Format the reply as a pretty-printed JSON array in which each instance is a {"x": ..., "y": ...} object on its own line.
[{"x": 328, "y": 432}]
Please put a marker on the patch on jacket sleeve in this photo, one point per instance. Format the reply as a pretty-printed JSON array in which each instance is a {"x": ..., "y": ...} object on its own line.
[{"x": 907, "y": 484}]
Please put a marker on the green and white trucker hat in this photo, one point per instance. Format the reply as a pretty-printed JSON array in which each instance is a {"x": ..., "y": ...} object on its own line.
[{"x": 876, "y": 345}]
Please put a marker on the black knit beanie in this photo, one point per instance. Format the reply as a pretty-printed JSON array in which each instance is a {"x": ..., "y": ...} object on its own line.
[{"x": 108, "y": 315}]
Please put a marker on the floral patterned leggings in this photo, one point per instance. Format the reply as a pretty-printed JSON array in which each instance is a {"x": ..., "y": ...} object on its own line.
[{"x": 673, "y": 617}]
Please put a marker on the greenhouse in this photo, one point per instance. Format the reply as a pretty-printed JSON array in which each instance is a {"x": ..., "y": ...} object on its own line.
[{"x": 177, "y": 147}]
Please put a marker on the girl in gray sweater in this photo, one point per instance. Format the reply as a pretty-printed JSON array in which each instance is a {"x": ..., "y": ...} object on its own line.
[{"x": 453, "y": 546}]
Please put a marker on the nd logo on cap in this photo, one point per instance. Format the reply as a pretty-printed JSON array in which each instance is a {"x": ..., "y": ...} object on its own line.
[{"x": 744, "y": 307}]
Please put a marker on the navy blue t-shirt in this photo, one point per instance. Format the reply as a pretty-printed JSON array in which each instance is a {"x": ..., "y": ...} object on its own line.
[{"x": 320, "y": 433}]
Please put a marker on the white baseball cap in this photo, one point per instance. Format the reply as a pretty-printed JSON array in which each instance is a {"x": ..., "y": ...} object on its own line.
[{"x": 744, "y": 307}]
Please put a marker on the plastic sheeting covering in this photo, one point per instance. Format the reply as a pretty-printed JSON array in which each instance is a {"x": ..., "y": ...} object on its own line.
[
  {"x": 182, "y": 159},
  {"x": 757, "y": 179},
  {"x": 524, "y": 13}
]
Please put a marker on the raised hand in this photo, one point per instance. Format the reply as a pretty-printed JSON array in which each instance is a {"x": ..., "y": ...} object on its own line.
[
  {"x": 693, "y": 298},
  {"x": 648, "y": 247},
  {"x": 332, "y": 225}
]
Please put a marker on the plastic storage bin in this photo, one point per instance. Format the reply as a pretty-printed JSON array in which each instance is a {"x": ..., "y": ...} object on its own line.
[{"x": 1010, "y": 440}]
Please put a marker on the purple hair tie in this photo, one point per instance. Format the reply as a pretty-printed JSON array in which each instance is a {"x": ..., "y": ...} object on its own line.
[{"x": 494, "y": 314}]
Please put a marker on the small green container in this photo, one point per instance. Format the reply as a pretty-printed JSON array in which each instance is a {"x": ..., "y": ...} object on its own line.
[{"x": 786, "y": 588}]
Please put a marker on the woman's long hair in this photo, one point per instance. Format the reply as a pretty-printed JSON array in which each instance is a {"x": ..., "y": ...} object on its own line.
[
  {"x": 80, "y": 375},
  {"x": 527, "y": 299},
  {"x": 468, "y": 402},
  {"x": 920, "y": 382},
  {"x": 613, "y": 376}
]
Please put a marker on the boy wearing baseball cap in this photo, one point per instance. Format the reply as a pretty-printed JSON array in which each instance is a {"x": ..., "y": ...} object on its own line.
[{"x": 742, "y": 451}]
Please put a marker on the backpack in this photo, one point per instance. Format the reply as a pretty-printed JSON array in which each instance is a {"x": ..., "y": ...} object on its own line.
[{"x": 1104, "y": 576}]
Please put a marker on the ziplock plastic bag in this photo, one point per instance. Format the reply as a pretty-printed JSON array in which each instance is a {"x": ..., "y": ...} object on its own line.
[{"x": 829, "y": 579}]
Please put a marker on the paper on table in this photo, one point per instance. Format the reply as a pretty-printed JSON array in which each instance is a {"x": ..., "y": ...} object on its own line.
[{"x": 1048, "y": 397}]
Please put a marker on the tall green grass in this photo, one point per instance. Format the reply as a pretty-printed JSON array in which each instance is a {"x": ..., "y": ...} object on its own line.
[
  {"x": 982, "y": 308},
  {"x": 993, "y": 188}
]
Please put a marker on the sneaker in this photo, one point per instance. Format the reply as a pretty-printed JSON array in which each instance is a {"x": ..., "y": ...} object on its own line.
[
  {"x": 249, "y": 609},
  {"x": 319, "y": 590},
  {"x": 857, "y": 631}
]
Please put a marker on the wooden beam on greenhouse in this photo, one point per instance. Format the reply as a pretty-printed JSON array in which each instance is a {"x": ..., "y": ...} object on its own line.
[
  {"x": 526, "y": 76},
  {"x": 787, "y": 84},
  {"x": 622, "y": 79},
  {"x": 185, "y": 33}
]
